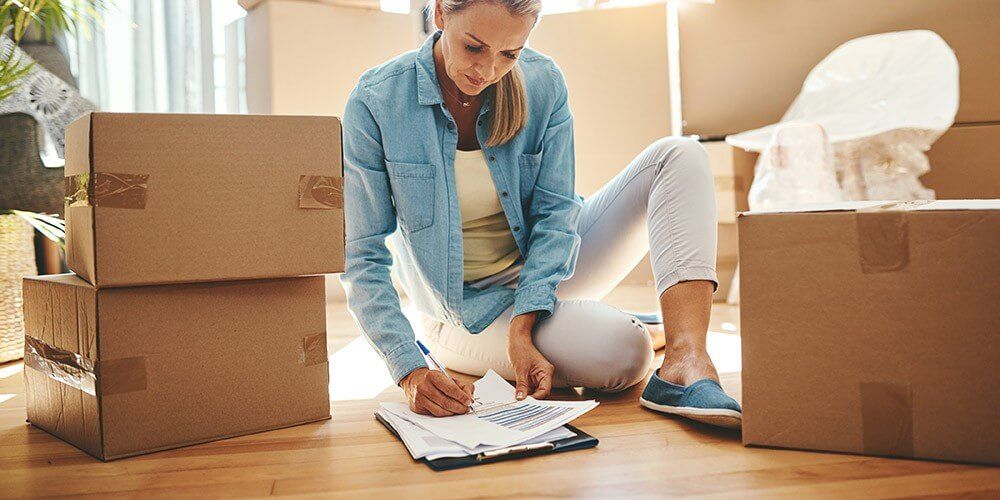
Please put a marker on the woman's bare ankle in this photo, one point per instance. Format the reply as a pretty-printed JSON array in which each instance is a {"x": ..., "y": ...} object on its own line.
[{"x": 686, "y": 362}]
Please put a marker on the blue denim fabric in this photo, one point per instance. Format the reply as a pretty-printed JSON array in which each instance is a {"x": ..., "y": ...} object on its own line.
[{"x": 402, "y": 207}]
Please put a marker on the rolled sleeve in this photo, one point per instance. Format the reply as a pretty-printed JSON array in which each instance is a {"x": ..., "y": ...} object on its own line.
[
  {"x": 540, "y": 298},
  {"x": 402, "y": 360}
]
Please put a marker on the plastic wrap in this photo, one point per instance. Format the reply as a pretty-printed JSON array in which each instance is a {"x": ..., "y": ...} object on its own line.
[
  {"x": 882, "y": 100},
  {"x": 795, "y": 169}
]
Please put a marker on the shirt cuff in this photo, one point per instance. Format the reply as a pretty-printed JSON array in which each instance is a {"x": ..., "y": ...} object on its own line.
[
  {"x": 541, "y": 298},
  {"x": 404, "y": 359}
]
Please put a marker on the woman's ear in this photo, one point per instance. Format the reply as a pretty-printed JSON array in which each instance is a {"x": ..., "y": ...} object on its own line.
[{"x": 438, "y": 15}]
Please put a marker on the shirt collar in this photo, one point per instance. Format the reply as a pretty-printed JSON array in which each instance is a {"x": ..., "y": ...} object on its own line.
[{"x": 428, "y": 90}]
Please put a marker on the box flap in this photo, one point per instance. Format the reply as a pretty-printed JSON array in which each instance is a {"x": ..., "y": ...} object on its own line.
[
  {"x": 840, "y": 206},
  {"x": 961, "y": 205},
  {"x": 62, "y": 279},
  {"x": 867, "y": 205},
  {"x": 77, "y": 146}
]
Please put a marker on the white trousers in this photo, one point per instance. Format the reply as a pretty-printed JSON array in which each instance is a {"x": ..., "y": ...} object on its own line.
[{"x": 662, "y": 203}]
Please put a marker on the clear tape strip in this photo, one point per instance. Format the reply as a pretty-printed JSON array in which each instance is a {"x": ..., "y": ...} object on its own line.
[{"x": 60, "y": 365}]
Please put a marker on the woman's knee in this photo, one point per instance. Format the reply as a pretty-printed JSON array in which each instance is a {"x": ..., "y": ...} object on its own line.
[
  {"x": 681, "y": 152},
  {"x": 595, "y": 345}
]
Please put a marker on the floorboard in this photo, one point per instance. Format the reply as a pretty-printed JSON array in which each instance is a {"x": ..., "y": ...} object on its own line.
[{"x": 641, "y": 453}]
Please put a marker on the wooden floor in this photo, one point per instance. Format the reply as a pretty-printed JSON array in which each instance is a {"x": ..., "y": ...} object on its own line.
[{"x": 641, "y": 454}]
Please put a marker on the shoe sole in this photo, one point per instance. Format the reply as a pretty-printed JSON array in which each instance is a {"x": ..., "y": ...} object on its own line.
[{"x": 720, "y": 417}]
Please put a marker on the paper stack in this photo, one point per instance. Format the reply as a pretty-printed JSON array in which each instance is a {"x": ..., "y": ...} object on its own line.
[{"x": 496, "y": 421}]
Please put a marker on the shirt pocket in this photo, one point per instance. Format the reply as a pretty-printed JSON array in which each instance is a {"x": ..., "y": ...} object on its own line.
[
  {"x": 412, "y": 193},
  {"x": 529, "y": 164}
]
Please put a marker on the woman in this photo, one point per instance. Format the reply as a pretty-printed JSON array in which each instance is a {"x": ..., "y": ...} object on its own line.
[{"x": 459, "y": 175}]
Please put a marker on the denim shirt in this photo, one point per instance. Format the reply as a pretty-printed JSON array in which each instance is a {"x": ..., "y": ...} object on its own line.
[{"x": 402, "y": 207}]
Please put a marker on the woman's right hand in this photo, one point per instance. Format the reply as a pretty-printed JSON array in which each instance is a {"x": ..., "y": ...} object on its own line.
[{"x": 432, "y": 392}]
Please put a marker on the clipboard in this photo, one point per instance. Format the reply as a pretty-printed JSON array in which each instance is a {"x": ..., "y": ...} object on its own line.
[{"x": 580, "y": 441}]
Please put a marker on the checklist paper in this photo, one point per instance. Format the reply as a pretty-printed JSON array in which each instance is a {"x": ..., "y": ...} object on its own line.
[{"x": 497, "y": 420}]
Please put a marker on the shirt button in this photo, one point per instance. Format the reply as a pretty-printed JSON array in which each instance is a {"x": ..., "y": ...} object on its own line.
[
  {"x": 480, "y": 122},
  {"x": 504, "y": 194},
  {"x": 492, "y": 158},
  {"x": 517, "y": 228},
  {"x": 451, "y": 126}
]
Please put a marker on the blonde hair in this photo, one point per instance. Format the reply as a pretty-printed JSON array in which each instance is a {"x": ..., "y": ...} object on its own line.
[{"x": 510, "y": 100}]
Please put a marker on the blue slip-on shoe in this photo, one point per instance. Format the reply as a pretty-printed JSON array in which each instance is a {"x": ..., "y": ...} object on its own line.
[
  {"x": 649, "y": 318},
  {"x": 704, "y": 401}
]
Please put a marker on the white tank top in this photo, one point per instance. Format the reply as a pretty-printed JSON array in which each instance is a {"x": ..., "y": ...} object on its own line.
[{"x": 488, "y": 244}]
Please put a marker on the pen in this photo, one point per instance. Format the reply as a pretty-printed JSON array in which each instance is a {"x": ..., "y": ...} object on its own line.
[
  {"x": 437, "y": 364},
  {"x": 427, "y": 352}
]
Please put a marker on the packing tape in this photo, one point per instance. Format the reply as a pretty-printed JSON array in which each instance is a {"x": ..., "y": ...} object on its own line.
[
  {"x": 884, "y": 236},
  {"x": 107, "y": 189},
  {"x": 122, "y": 375},
  {"x": 321, "y": 192},
  {"x": 313, "y": 349},
  {"x": 887, "y": 419},
  {"x": 60, "y": 365}
]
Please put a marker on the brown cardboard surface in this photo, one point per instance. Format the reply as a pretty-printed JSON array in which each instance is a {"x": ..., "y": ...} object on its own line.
[
  {"x": 615, "y": 62},
  {"x": 62, "y": 312},
  {"x": 221, "y": 201},
  {"x": 732, "y": 170},
  {"x": 726, "y": 259},
  {"x": 965, "y": 163},
  {"x": 744, "y": 61},
  {"x": 180, "y": 364},
  {"x": 848, "y": 346}
]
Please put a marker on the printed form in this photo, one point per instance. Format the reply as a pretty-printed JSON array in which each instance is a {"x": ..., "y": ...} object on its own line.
[{"x": 497, "y": 419}]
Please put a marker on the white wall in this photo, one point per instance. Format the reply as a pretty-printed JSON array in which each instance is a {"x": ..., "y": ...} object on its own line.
[{"x": 305, "y": 57}]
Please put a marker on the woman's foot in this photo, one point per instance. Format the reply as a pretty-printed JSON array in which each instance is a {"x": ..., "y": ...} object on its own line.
[
  {"x": 686, "y": 363},
  {"x": 687, "y": 385},
  {"x": 703, "y": 401},
  {"x": 683, "y": 363}
]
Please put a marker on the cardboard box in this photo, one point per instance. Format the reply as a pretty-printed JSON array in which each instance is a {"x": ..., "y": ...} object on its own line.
[
  {"x": 616, "y": 66},
  {"x": 965, "y": 163},
  {"x": 726, "y": 260},
  {"x": 173, "y": 198},
  {"x": 744, "y": 61},
  {"x": 732, "y": 170},
  {"x": 124, "y": 371},
  {"x": 872, "y": 329}
]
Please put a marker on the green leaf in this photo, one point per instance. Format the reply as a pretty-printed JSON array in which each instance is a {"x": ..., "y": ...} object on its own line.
[
  {"x": 51, "y": 227},
  {"x": 11, "y": 71}
]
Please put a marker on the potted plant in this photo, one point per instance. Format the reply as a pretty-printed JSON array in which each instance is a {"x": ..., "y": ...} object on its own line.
[{"x": 18, "y": 227}]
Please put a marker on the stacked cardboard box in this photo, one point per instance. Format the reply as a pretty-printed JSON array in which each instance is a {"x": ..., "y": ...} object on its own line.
[
  {"x": 732, "y": 170},
  {"x": 872, "y": 328},
  {"x": 195, "y": 312}
]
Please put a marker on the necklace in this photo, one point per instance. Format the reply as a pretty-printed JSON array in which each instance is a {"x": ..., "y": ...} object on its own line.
[{"x": 464, "y": 104}]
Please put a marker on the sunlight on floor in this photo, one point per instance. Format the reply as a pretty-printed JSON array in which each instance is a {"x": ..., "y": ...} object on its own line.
[
  {"x": 357, "y": 372},
  {"x": 724, "y": 348},
  {"x": 6, "y": 397},
  {"x": 11, "y": 369}
]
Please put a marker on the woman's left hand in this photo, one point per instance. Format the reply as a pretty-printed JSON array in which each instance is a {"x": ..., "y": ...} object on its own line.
[{"x": 533, "y": 372}]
